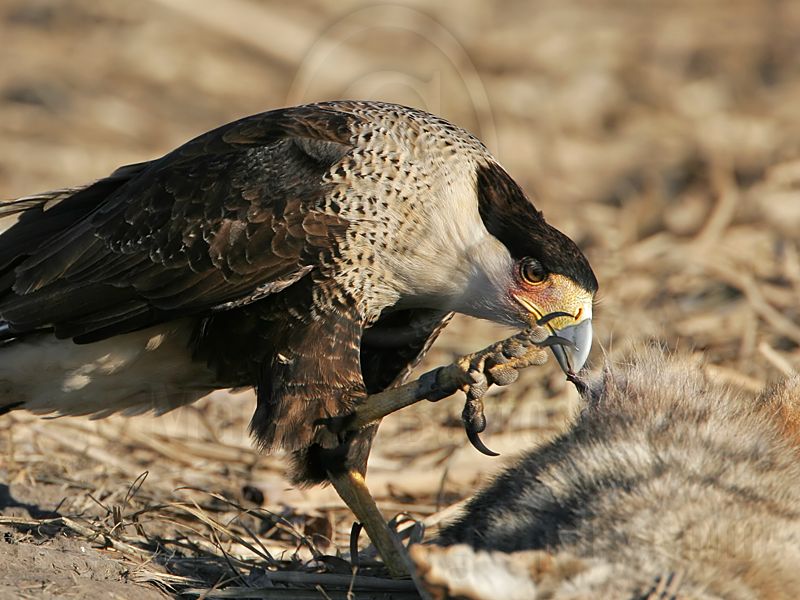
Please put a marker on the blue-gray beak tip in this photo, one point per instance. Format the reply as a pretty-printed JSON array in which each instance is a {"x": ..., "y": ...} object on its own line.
[{"x": 572, "y": 358}]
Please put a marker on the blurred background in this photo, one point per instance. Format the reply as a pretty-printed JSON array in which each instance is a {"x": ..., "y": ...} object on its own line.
[{"x": 664, "y": 137}]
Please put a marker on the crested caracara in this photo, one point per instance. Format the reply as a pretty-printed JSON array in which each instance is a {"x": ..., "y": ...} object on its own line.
[{"x": 311, "y": 252}]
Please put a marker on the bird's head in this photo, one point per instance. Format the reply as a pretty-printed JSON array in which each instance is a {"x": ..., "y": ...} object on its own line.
[
  {"x": 559, "y": 303},
  {"x": 529, "y": 272}
]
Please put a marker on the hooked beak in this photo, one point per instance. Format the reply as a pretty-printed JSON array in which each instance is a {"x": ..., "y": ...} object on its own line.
[{"x": 572, "y": 356}]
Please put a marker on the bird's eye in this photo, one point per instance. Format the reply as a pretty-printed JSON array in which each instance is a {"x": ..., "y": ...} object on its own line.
[{"x": 531, "y": 271}]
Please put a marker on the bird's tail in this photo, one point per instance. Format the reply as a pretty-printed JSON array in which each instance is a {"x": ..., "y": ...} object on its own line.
[
  {"x": 31, "y": 222},
  {"x": 97, "y": 190},
  {"x": 147, "y": 370}
]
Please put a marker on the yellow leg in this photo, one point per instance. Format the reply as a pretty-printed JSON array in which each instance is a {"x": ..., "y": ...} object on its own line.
[
  {"x": 353, "y": 490},
  {"x": 506, "y": 358}
]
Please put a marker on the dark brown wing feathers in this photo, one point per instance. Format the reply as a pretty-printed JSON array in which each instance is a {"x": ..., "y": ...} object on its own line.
[
  {"x": 208, "y": 224},
  {"x": 214, "y": 230},
  {"x": 44, "y": 215}
]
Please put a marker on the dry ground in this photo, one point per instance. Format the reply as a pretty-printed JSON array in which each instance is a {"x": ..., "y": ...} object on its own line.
[{"x": 663, "y": 136}]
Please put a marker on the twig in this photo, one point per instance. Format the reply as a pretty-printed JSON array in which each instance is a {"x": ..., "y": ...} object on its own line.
[
  {"x": 84, "y": 530},
  {"x": 747, "y": 285},
  {"x": 778, "y": 361},
  {"x": 724, "y": 209}
]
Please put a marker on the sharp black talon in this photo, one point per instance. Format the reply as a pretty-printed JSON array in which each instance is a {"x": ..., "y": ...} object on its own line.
[
  {"x": 555, "y": 340},
  {"x": 355, "y": 531},
  {"x": 475, "y": 439},
  {"x": 550, "y": 316},
  {"x": 474, "y": 423}
]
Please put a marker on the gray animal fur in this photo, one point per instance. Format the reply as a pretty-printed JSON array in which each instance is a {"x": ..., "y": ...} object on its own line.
[{"x": 666, "y": 486}]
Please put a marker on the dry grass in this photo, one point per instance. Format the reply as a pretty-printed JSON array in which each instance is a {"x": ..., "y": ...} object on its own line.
[{"x": 664, "y": 137}]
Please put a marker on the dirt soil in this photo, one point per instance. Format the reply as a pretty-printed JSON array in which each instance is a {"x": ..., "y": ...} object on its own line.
[{"x": 664, "y": 137}]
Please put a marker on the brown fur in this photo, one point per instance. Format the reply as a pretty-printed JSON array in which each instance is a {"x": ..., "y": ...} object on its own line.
[
  {"x": 664, "y": 479},
  {"x": 784, "y": 400}
]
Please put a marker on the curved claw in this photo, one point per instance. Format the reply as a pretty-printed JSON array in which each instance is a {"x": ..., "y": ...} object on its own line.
[
  {"x": 550, "y": 316},
  {"x": 556, "y": 340},
  {"x": 474, "y": 423},
  {"x": 355, "y": 531},
  {"x": 475, "y": 439}
]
